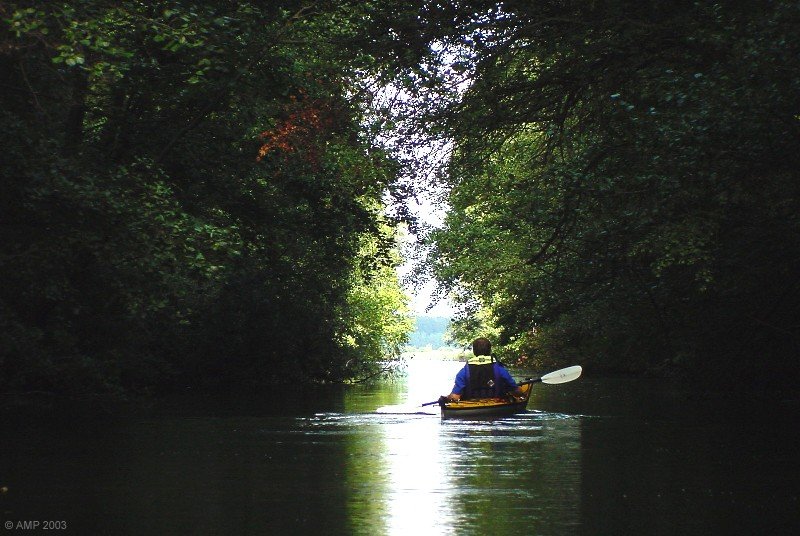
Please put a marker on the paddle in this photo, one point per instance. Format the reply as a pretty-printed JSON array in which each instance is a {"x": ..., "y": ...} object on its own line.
[
  {"x": 558, "y": 376},
  {"x": 563, "y": 375}
]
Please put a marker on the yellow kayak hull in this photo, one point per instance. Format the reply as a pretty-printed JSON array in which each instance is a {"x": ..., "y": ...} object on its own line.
[{"x": 482, "y": 408}]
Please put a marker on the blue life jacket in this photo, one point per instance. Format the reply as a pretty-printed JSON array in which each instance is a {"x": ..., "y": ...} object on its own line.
[{"x": 483, "y": 381}]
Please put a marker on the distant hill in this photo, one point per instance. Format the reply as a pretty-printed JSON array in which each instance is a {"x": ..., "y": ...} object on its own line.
[{"x": 429, "y": 332}]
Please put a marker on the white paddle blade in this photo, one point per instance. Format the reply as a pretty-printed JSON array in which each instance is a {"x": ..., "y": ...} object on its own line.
[{"x": 564, "y": 375}]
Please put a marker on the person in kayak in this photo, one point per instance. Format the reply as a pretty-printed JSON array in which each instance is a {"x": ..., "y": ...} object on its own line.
[{"x": 482, "y": 376}]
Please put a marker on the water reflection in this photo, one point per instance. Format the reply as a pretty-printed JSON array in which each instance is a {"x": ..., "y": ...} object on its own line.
[
  {"x": 522, "y": 473},
  {"x": 594, "y": 456},
  {"x": 418, "y": 484},
  {"x": 396, "y": 481},
  {"x": 416, "y": 474},
  {"x": 415, "y": 498}
]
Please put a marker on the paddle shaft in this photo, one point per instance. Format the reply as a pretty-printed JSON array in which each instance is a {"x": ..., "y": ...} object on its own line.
[{"x": 530, "y": 381}]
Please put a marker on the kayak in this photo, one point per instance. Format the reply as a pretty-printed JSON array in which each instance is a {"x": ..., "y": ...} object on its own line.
[{"x": 482, "y": 408}]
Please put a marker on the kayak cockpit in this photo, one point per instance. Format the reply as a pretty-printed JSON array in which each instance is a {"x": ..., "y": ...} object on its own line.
[{"x": 482, "y": 408}]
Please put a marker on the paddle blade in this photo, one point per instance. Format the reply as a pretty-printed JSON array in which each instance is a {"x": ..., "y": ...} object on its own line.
[{"x": 563, "y": 376}]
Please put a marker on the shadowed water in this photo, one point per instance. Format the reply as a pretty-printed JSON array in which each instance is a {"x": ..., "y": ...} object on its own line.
[{"x": 594, "y": 456}]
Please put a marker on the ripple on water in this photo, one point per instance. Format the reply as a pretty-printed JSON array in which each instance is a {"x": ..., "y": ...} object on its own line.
[{"x": 521, "y": 428}]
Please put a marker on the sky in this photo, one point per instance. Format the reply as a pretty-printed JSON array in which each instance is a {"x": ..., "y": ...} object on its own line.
[
  {"x": 421, "y": 296},
  {"x": 424, "y": 207}
]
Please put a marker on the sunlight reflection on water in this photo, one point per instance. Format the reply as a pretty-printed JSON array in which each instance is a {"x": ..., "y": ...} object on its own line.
[
  {"x": 418, "y": 474},
  {"x": 594, "y": 456}
]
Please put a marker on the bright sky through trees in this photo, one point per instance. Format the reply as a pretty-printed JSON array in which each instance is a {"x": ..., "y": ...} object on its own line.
[{"x": 422, "y": 295}]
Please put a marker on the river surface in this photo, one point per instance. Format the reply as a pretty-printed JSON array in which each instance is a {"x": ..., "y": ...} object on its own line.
[{"x": 595, "y": 456}]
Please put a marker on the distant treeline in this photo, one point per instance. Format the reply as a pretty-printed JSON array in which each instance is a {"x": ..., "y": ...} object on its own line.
[{"x": 429, "y": 331}]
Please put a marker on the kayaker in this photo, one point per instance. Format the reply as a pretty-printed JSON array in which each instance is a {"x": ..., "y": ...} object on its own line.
[{"x": 482, "y": 376}]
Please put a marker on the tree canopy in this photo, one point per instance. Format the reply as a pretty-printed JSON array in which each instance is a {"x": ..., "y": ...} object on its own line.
[
  {"x": 624, "y": 179},
  {"x": 192, "y": 195},
  {"x": 208, "y": 194}
]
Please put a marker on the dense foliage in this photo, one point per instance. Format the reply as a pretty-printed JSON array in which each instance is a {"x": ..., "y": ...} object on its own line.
[
  {"x": 191, "y": 195},
  {"x": 194, "y": 192},
  {"x": 624, "y": 179}
]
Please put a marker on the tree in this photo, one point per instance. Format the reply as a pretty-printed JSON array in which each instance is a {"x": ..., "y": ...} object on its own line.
[
  {"x": 188, "y": 191},
  {"x": 624, "y": 178}
]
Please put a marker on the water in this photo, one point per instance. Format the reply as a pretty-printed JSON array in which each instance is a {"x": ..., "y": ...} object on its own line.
[{"x": 594, "y": 456}]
